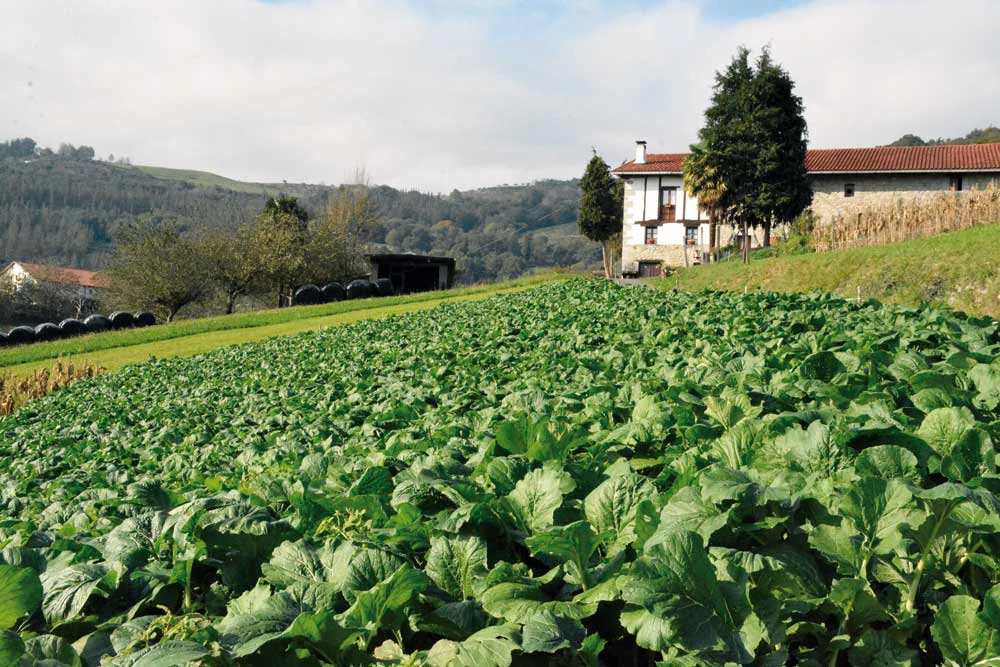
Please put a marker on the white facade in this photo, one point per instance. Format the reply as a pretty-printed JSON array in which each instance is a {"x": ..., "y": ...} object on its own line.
[
  {"x": 648, "y": 233},
  {"x": 17, "y": 277},
  {"x": 842, "y": 180}
]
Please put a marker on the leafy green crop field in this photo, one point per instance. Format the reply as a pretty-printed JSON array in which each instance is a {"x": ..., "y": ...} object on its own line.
[
  {"x": 579, "y": 474},
  {"x": 113, "y": 349}
]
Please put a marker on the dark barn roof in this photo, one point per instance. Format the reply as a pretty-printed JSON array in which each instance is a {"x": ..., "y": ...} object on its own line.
[{"x": 411, "y": 258}]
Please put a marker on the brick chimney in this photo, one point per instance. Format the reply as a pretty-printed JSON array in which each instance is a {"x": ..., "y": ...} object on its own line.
[{"x": 640, "y": 152}]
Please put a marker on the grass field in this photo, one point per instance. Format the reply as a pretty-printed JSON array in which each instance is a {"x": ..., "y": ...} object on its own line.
[
  {"x": 957, "y": 269},
  {"x": 188, "y": 337},
  {"x": 204, "y": 179}
]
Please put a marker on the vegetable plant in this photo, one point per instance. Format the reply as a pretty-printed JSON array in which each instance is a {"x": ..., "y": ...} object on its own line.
[{"x": 581, "y": 474}]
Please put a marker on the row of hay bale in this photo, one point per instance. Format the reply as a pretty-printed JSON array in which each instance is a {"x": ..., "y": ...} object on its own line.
[
  {"x": 356, "y": 289},
  {"x": 71, "y": 326}
]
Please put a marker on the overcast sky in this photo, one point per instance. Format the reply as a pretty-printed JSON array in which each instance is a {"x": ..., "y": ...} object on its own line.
[{"x": 443, "y": 94}]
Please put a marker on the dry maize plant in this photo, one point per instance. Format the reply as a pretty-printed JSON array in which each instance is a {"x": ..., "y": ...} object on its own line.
[
  {"x": 904, "y": 220},
  {"x": 16, "y": 391}
]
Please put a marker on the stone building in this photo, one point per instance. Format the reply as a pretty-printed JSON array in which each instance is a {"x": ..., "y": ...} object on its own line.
[{"x": 664, "y": 227}]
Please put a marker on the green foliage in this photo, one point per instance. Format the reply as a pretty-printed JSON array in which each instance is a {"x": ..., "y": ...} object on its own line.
[
  {"x": 601, "y": 201},
  {"x": 20, "y": 594},
  {"x": 155, "y": 267},
  {"x": 749, "y": 164},
  {"x": 986, "y": 135},
  {"x": 599, "y": 217},
  {"x": 69, "y": 212},
  {"x": 718, "y": 479},
  {"x": 958, "y": 269}
]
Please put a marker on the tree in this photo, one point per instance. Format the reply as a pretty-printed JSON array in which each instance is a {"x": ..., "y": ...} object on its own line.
[
  {"x": 782, "y": 190},
  {"x": 701, "y": 180},
  {"x": 232, "y": 261},
  {"x": 909, "y": 140},
  {"x": 600, "y": 214},
  {"x": 18, "y": 148},
  {"x": 750, "y": 161},
  {"x": 337, "y": 239},
  {"x": 154, "y": 267},
  {"x": 280, "y": 238}
]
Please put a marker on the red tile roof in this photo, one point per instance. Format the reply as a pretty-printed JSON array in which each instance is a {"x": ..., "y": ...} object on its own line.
[
  {"x": 657, "y": 163},
  {"x": 63, "y": 275},
  {"x": 961, "y": 157}
]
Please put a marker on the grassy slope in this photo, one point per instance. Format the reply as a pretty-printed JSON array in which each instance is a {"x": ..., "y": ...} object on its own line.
[
  {"x": 119, "y": 348},
  {"x": 959, "y": 269},
  {"x": 204, "y": 179}
]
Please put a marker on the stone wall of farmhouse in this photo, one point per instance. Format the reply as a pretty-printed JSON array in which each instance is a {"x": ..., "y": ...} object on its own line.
[
  {"x": 670, "y": 255},
  {"x": 875, "y": 190}
]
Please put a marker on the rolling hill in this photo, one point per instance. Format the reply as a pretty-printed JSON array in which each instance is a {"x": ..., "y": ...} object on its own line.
[{"x": 66, "y": 210}]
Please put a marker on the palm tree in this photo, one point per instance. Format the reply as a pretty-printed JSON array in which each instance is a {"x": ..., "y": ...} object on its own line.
[{"x": 701, "y": 181}]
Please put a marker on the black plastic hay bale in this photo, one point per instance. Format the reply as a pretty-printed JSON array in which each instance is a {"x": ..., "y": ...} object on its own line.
[
  {"x": 144, "y": 318},
  {"x": 121, "y": 319},
  {"x": 95, "y": 323},
  {"x": 360, "y": 289},
  {"x": 72, "y": 327},
  {"x": 383, "y": 287},
  {"x": 307, "y": 295},
  {"x": 21, "y": 335},
  {"x": 47, "y": 331},
  {"x": 4, "y": 341},
  {"x": 333, "y": 292}
]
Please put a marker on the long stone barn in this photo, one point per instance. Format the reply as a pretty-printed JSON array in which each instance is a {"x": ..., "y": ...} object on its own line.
[{"x": 665, "y": 227}]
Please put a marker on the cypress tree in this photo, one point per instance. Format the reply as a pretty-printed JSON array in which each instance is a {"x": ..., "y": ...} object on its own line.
[{"x": 600, "y": 215}]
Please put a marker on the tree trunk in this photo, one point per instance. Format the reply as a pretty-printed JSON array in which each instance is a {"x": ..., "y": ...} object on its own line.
[
  {"x": 767, "y": 234},
  {"x": 713, "y": 234},
  {"x": 746, "y": 243},
  {"x": 605, "y": 258},
  {"x": 230, "y": 303}
]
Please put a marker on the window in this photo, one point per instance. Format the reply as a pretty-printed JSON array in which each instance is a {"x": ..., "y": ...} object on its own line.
[
  {"x": 848, "y": 189},
  {"x": 691, "y": 235},
  {"x": 668, "y": 204},
  {"x": 955, "y": 183},
  {"x": 650, "y": 235}
]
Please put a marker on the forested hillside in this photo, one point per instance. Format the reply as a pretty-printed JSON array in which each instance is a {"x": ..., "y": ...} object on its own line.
[
  {"x": 986, "y": 135},
  {"x": 65, "y": 208}
]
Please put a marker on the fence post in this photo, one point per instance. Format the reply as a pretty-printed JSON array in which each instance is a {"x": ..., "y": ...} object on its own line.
[{"x": 859, "y": 295}]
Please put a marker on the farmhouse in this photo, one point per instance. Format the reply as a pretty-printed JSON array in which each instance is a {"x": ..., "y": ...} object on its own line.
[
  {"x": 664, "y": 226},
  {"x": 76, "y": 284}
]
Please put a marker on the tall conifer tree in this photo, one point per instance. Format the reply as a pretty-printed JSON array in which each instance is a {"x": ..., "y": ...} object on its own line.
[
  {"x": 750, "y": 161},
  {"x": 600, "y": 216}
]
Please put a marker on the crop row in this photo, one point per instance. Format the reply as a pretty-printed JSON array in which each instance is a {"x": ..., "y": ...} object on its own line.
[{"x": 579, "y": 474}]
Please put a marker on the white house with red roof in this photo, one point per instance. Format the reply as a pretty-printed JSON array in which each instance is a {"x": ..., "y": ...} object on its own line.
[
  {"x": 76, "y": 283},
  {"x": 663, "y": 226}
]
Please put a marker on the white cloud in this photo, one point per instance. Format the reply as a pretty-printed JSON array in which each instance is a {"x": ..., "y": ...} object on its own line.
[{"x": 424, "y": 97}]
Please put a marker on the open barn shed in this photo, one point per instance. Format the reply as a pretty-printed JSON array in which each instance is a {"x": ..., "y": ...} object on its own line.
[{"x": 414, "y": 273}]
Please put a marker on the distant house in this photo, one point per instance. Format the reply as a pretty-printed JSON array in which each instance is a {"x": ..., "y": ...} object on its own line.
[
  {"x": 663, "y": 226},
  {"x": 80, "y": 287}
]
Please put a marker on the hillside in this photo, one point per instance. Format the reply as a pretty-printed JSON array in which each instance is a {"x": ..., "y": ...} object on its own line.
[
  {"x": 959, "y": 269},
  {"x": 67, "y": 209},
  {"x": 986, "y": 135}
]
